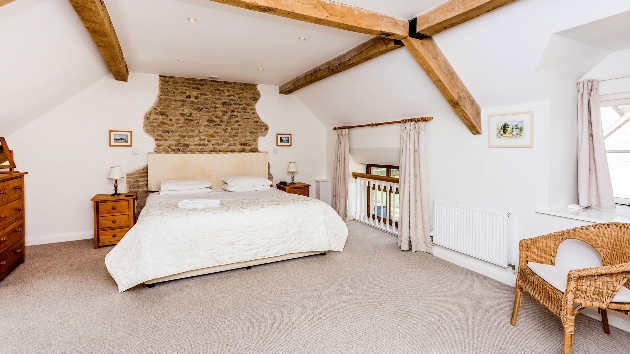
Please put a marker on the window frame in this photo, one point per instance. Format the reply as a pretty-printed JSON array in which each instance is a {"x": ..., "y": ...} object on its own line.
[
  {"x": 616, "y": 100},
  {"x": 389, "y": 168}
]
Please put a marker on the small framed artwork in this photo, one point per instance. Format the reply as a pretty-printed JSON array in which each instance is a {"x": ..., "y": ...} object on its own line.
[
  {"x": 120, "y": 138},
  {"x": 284, "y": 140},
  {"x": 511, "y": 130}
]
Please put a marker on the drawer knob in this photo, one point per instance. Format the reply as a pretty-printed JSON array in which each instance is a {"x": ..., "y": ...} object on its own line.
[
  {"x": 3, "y": 192},
  {"x": 18, "y": 187},
  {"x": 114, "y": 235},
  {"x": 113, "y": 208},
  {"x": 4, "y": 239},
  {"x": 3, "y": 262},
  {"x": 19, "y": 229},
  {"x": 18, "y": 251},
  {"x": 2, "y": 216},
  {"x": 18, "y": 209},
  {"x": 113, "y": 221}
]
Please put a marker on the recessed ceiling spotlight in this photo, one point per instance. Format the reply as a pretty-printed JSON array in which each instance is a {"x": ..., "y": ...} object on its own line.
[
  {"x": 260, "y": 69},
  {"x": 302, "y": 39},
  {"x": 213, "y": 77},
  {"x": 190, "y": 19},
  {"x": 180, "y": 60}
]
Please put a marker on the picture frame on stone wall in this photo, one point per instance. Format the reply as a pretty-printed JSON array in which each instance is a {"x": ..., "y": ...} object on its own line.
[
  {"x": 284, "y": 139},
  {"x": 120, "y": 138}
]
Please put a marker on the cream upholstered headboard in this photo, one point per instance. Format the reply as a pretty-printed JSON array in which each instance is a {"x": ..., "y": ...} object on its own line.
[{"x": 211, "y": 167}]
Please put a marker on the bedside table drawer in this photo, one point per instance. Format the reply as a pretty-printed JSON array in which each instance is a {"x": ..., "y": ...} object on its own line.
[
  {"x": 113, "y": 208},
  {"x": 11, "y": 234},
  {"x": 10, "y": 212},
  {"x": 113, "y": 221},
  {"x": 111, "y": 237},
  {"x": 10, "y": 190}
]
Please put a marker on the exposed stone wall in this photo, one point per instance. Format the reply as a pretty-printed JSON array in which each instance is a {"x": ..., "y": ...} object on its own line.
[
  {"x": 194, "y": 115},
  {"x": 200, "y": 116},
  {"x": 138, "y": 181}
]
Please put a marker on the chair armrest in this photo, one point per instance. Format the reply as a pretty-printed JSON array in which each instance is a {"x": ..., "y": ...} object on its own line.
[{"x": 596, "y": 286}]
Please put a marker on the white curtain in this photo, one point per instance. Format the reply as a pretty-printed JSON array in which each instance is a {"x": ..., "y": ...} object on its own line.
[
  {"x": 594, "y": 184},
  {"x": 413, "y": 223},
  {"x": 341, "y": 174}
]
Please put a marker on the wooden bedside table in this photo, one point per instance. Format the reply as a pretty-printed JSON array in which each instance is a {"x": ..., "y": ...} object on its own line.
[
  {"x": 297, "y": 188},
  {"x": 113, "y": 217}
]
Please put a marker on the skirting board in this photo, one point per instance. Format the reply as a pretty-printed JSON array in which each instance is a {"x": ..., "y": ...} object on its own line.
[
  {"x": 63, "y": 237},
  {"x": 506, "y": 276}
]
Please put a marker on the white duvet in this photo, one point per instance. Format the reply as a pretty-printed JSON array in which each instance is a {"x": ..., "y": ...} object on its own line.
[{"x": 168, "y": 240}]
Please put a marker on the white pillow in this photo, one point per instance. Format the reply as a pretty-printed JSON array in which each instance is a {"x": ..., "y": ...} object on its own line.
[
  {"x": 183, "y": 184},
  {"x": 227, "y": 187},
  {"x": 187, "y": 191},
  {"x": 246, "y": 181}
]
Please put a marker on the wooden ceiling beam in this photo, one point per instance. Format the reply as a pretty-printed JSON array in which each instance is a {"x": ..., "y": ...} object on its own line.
[
  {"x": 360, "y": 54},
  {"x": 451, "y": 14},
  {"x": 4, "y": 2},
  {"x": 96, "y": 19},
  {"x": 434, "y": 63},
  {"x": 331, "y": 14}
]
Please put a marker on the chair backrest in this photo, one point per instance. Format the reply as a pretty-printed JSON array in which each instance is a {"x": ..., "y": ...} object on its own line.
[{"x": 610, "y": 240}]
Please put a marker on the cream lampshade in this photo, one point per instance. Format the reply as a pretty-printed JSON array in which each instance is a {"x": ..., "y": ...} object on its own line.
[
  {"x": 292, "y": 168},
  {"x": 115, "y": 173}
]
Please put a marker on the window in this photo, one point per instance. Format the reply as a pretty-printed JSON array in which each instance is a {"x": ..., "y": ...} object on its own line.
[
  {"x": 616, "y": 127},
  {"x": 386, "y": 202}
]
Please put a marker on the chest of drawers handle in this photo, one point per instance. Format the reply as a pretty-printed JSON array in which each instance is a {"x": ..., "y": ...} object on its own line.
[
  {"x": 19, "y": 229},
  {"x": 18, "y": 251},
  {"x": 113, "y": 221},
  {"x": 4, "y": 239},
  {"x": 3, "y": 192},
  {"x": 3, "y": 263},
  {"x": 18, "y": 209},
  {"x": 2, "y": 216},
  {"x": 113, "y": 208},
  {"x": 114, "y": 235},
  {"x": 18, "y": 187}
]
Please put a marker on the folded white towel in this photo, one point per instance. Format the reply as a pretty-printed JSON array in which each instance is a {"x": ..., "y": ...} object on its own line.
[{"x": 199, "y": 203}]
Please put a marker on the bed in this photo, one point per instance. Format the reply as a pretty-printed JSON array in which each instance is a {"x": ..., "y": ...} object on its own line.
[{"x": 248, "y": 228}]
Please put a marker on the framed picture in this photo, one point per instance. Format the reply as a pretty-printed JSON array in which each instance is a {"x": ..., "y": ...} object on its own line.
[
  {"x": 120, "y": 138},
  {"x": 511, "y": 130},
  {"x": 284, "y": 140}
]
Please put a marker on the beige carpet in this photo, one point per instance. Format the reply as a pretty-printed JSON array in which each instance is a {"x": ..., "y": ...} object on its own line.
[{"x": 371, "y": 298}]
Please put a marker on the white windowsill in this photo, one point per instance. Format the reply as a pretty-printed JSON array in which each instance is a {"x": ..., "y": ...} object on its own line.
[{"x": 593, "y": 215}]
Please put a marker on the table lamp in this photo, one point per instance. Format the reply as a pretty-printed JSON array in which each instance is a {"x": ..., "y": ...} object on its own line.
[
  {"x": 292, "y": 169},
  {"x": 115, "y": 173}
]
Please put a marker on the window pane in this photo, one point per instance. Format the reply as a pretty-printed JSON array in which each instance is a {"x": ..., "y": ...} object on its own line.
[
  {"x": 619, "y": 165},
  {"x": 379, "y": 171},
  {"x": 616, "y": 126},
  {"x": 394, "y": 173}
]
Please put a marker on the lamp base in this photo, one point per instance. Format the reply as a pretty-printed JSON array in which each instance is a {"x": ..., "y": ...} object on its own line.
[
  {"x": 292, "y": 178},
  {"x": 116, "y": 194}
]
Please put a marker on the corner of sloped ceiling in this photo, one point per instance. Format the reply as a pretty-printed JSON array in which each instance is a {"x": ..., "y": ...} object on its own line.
[
  {"x": 52, "y": 58},
  {"x": 568, "y": 58}
]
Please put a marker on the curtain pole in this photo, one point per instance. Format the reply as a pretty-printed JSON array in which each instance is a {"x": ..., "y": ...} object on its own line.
[{"x": 421, "y": 119}]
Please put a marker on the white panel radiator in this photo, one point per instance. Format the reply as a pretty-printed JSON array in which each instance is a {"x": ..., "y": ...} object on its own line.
[{"x": 475, "y": 231}]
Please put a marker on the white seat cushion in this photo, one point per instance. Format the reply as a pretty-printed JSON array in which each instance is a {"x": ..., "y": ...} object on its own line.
[{"x": 557, "y": 277}]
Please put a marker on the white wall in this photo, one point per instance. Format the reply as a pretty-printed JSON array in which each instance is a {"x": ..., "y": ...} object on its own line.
[
  {"x": 67, "y": 155},
  {"x": 286, "y": 114}
]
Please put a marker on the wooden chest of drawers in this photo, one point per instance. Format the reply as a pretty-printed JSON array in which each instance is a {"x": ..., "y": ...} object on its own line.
[
  {"x": 12, "y": 250},
  {"x": 297, "y": 188},
  {"x": 113, "y": 217}
]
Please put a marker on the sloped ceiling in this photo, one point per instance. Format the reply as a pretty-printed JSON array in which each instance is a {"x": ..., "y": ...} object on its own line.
[
  {"x": 495, "y": 55},
  {"x": 51, "y": 56},
  {"x": 46, "y": 57}
]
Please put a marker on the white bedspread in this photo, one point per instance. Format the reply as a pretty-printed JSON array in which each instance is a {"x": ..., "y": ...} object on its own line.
[{"x": 168, "y": 240}]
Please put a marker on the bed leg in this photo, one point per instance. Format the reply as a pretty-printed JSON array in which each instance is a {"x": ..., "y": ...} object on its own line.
[
  {"x": 150, "y": 285},
  {"x": 248, "y": 268}
]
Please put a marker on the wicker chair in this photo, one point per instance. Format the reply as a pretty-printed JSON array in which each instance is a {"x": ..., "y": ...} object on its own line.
[{"x": 588, "y": 287}]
